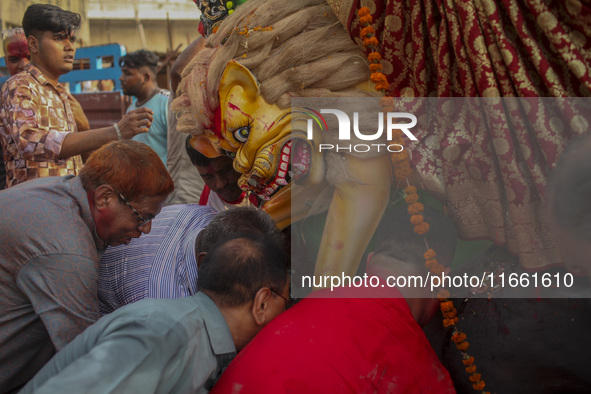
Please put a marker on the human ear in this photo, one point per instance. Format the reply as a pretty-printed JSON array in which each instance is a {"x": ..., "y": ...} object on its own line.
[
  {"x": 33, "y": 44},
  {"x": 103, "y": 196},
  {"x": 260, "y": 306},
  {"x": 200, "y": 258}
]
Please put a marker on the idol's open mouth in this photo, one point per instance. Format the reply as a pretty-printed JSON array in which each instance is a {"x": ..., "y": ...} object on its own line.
[{"x": 294, "y": 163}]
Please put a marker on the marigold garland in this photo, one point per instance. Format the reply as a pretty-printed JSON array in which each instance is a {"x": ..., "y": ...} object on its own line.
[
  {"x": 371, "y": 42},
  {"x": 417, "y": 219},
  {"x": 431, "y": 263},
  {"x": 438, "y": 270},
  {"x": 375, "y": 67},
  {"x": 458, "y": 337},
  {"x": 415, "y": 208},
  {"x": 374, "y": 57},
  {"x": 402, "y": 171}
]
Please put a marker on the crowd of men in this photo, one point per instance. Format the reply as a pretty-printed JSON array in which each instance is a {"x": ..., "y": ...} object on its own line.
[{"x": 112, "y": 282}]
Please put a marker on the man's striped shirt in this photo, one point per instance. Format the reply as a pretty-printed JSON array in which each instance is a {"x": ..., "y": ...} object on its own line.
[{"x": 161, "y": 264}]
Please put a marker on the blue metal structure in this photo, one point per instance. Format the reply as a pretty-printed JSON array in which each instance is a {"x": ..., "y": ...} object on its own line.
[{"x": 94, "y": 56}]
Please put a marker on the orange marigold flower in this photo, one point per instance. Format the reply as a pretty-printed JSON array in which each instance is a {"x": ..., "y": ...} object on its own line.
[
  {"x": 415, "y": 207},
  {"x": 431, "y": 263},
  {"x": 417, "y": 219},
  {"x": 382, "y": 86},
  {"x": 410, "y": 198},
  {"x": 443, "y": 294},
  {"x": 375, "y": 67},
  {"x": 366, "y": 19},
  {"x": 429, "y": 254},
  {"x": 363, "y": 11},
  {"x": 449, "y": 322},
  {"x": 378, "y": 77},
  {"x": 397, "y": 133},
  {"x": 389, "y": 108},
  {"x": 399, "y": 141},
  {"x": 402, "y": 173},
  {"x": 468, "y": 360},
  {"x": 449, "y": 314},
  {"x": 374, "y": 57},
  {"x": 402, "y": 169},
  {"x": 370, "y": 42},
  {"x": 399, "y": 157},
  {"x": 422, "y": 228},
  {"x": 387, "y": 101},
  {"x": 438, "y": 270},
  {"x": 447, "y": 306},
  {"x": 463, "y": 346},
  {"x": 479, "y": 386},
  {"x": 458, "y": 337},
  {"x": 396, "y": 138},
  {"x": 410, "y": 190},
  {"x": 366, "y": 31},
  {"x": 471, "y": 369},
  {"x": 475, "y": 377}
]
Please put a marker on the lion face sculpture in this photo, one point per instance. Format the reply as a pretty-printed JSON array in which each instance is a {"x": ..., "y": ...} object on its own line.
[{"x": 259, "y": 136}]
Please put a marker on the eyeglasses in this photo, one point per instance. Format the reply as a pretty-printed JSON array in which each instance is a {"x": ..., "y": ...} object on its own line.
[
  {"x": 288, "y": 303},
  {"x": 143, "y": 220}
]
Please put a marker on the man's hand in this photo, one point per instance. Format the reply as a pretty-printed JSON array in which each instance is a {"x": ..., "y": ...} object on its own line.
[{"x": 135, "y": 122}]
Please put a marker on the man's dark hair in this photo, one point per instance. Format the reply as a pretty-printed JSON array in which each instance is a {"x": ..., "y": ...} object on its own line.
[
  {"x": 197, "y": 158},
  {"x": 395, "y": 237},
  {"x": 240, "y": 220},
  {"x": 47, "y": 17},
  {"x": 139, "y": 59},
  {"x": 569, "y": 187},
  {"x": 236, "y": 268}
]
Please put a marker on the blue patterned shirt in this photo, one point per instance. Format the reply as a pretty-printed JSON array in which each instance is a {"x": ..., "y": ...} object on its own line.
[{"x": 160, "y": 264}]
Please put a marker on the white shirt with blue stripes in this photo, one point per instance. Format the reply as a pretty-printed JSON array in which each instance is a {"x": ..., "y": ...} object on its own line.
[{"x": 160, "y": 264}]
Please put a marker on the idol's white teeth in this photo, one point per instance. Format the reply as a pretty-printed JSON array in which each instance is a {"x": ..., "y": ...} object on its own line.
[
  {"x": 279, "y": 180},
  {"x": 299, "y": 154}
]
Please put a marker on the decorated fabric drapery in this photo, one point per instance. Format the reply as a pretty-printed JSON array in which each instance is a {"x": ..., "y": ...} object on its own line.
[{"x": 492, "y": 176}]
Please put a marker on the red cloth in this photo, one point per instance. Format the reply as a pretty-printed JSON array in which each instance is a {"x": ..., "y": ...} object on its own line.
[
  {"x": 339, "y": 345},
  {"x": 205, "y": 197},
  {"x": 491, "y": 176}
]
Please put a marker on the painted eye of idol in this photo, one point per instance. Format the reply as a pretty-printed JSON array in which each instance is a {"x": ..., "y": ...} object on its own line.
[
  {"x": 241, "y": 134},
  {"x": 230, "y": 154}
]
